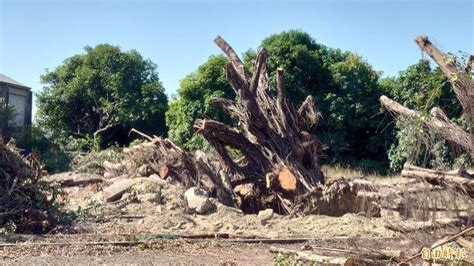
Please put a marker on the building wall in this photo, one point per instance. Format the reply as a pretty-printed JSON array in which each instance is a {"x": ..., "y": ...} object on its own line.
[
  {"x": 20, "y": 98},
  {"x": 4, "y": 92}
]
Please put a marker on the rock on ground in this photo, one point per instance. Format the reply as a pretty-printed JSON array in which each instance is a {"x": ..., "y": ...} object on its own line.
[
  {"x": 198, "y": 201},
  {"x": 265, "y": 215}
]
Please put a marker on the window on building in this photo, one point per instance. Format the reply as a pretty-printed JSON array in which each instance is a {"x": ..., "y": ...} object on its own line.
[{"x": 19, "y": 102}]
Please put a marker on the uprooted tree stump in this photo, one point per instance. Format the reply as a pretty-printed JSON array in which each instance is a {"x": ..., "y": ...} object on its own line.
[{"x": 281, "y": 159}]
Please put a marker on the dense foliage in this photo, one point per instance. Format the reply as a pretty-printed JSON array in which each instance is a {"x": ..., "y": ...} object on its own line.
[
  {"x": 421, "y": 87},
  {"x": 100, "y": 91},
  {"x": 194, "y": 101}
]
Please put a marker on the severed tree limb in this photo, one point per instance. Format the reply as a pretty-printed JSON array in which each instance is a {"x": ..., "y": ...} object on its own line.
[
  {"x": 224, "y": 192},
  {"x": 462, "y": 85},
  {"x": 461, "y": 79},
  {"x": 307, "y": 113},
  {"x": 461, "y": 183},
  {"x": 438, "y": 122},
  {"x": 233, "y": 57},
  {"x": 260, "y": 70}
]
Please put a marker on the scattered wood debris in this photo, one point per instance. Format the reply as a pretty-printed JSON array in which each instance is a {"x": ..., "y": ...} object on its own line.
[{"x": 460, "y": 179}]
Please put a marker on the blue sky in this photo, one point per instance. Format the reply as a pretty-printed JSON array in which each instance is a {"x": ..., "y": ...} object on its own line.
[{"x": 178, "y": 36}]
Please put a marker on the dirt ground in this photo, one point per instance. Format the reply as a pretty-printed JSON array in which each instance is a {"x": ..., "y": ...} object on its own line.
[
  {"x": 169, "y": 216},
  {"x": 177, "y": 253},
  {"x": 131, "y": 229},
  {"x": 168, "y": 252}
]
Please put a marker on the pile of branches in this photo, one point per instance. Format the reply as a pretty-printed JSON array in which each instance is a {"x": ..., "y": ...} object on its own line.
[{"x": 26, "y": 202}]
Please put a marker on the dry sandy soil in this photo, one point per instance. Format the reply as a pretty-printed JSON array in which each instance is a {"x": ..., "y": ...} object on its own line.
[{"x": 144, "y": 221}]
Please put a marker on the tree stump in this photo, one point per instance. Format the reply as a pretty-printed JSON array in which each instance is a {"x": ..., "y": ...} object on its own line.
[{"x": 281, "y": 159}]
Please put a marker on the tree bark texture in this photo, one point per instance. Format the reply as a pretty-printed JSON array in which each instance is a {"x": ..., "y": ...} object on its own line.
[{"x": 281, "y": 160}]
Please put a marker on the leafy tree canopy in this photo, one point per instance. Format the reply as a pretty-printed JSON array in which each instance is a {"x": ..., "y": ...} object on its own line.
[
  {"x": 100, "y": 90},
  {"x": 194, "y": 101}
]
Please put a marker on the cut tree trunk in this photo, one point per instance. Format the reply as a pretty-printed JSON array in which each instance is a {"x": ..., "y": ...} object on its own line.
[
  {"x": 459, "y": 180},
  {"x": 281, "y": 159}
]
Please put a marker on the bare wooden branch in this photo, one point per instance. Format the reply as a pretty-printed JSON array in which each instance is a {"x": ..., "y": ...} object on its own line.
[
  {"x": 221, "y": 135},
  {"x": 259, "y": 68},
  {"x": 462, "y": 83},
  {"x": 307, "y": 113},
  {"x": 280, "y": 83},
  {"x": 233, "y": 57},
  {"x": 438, "y": 122}
]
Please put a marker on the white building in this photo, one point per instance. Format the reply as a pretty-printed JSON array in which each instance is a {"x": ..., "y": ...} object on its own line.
[{"x": 19, "y": 96}]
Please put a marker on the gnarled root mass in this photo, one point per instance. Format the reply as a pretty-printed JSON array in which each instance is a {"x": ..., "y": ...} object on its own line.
[{"x": 281, "y": 159}]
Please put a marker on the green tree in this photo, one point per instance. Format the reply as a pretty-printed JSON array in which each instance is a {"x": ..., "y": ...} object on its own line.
[
  {"x": 420, "y": 87},
  {"x": 194, "y": 101},
  {"x": 93, "y": 94}
]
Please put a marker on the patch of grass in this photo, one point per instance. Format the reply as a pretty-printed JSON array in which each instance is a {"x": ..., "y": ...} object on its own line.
[
  {"x": 8, "y": 229},
  {"x": 337, "y": 171},
  {"x": 78, "y": 215},
  {"x": 288, "y": 260}
]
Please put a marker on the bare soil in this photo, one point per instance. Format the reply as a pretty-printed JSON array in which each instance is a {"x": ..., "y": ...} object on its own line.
[{"x": 133, "y": 218}]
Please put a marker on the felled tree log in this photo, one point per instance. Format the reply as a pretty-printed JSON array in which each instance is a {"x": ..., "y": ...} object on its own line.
[
  {"x": 459, "y": 180},
  {"x": 281, "y": 159},
  {"x": 463, "y": 86}
]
